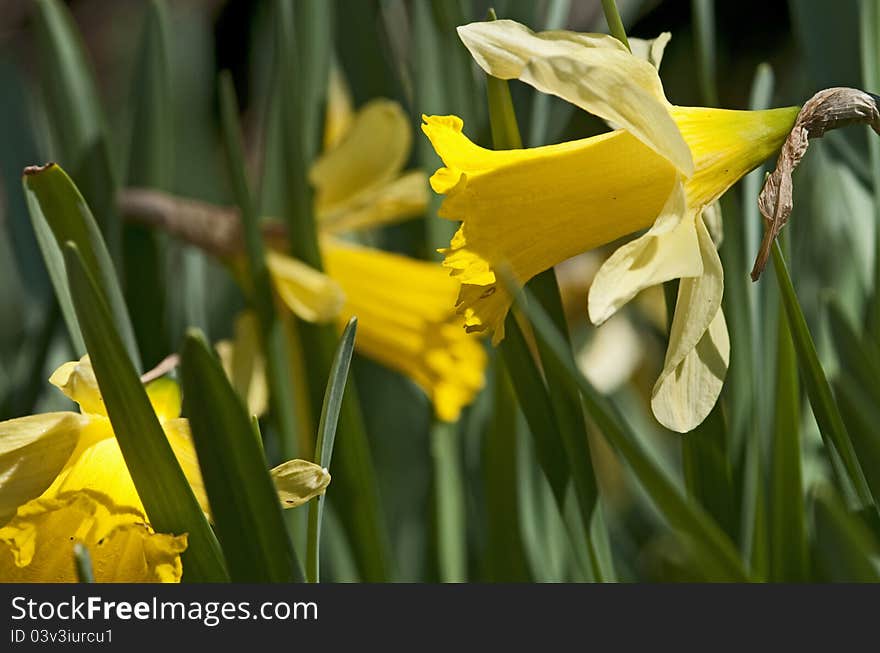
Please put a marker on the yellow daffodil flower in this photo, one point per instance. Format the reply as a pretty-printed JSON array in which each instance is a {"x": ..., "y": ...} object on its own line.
[
  {"x": 404, "y": 306},
  {"x": 63, "y": 479},
  {"x": 530, "y": 209}
]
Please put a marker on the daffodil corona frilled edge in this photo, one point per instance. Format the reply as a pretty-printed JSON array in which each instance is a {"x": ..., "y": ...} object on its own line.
[
  {"x": 530, "y": 209},
  {"x": 63, "y": 480}
]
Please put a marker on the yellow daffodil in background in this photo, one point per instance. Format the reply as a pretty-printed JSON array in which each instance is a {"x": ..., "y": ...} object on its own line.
[
  {"x": 530, "y": 209},
  {"x": 406, "y": 319},
  {"x": 63, "y": 480}
]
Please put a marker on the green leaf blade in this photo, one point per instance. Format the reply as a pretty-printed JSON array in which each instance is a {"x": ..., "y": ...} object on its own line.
[
  {"x": 247, "y": 515},
  {"x": 161, "y": 485}
]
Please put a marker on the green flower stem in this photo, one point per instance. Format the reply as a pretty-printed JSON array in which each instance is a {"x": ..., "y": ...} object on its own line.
[{"x": 612, "y": 17}]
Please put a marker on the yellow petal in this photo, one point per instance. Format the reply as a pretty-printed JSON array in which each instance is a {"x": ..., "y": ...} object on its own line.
[
  {"x": 77, "y": 380},
  {"x": 180, "y": 438},
  {"x": 100, "y": 469},
  {"x": 406, "y": 321},
  {"x": 592, "y": 71},
  {"x": 699, "y": 348},
  {"x": 297, "y": 481},
  {"x": 399, "y": 199},
  {"x": 37, "y": 545},
  {"x": 684, "y": 397},
  {"x": 340, "y": 113},
  {"x": 371, "y": 154},
  {"x": 650, "y": 50},
  {"x": 530, "y": 209},
  {"x": 164, "y": 394},
  {"x": 33, "y": 451},
  {"x": 310, "y": 294},
  {"x": 669, "y": 250},
  {"x": 699, "y": 298},
  {"x": 244, "y": 364}
]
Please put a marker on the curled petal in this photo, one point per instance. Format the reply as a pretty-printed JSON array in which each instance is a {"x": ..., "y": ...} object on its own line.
[
  {"x": 311, "y": 295},
  {"x": 399, "y": 199},
  {"x": 592, "y": 71},
  {"x": 76, "y": 379},
  {"x": 669, "y": 250}
]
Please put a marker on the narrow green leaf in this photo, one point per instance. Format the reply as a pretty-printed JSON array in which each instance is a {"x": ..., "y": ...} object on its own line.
[
  {"x": 861, "y": 412},
  {"x": 244, "y": 504},
  {"x": 825, "y": 409},
  {"x": 257, "y": 279},
  {"x": 712, "y": 548},
  {"x": 56, "y": 205},
  {"x": 151, "y": 165},
  {"x": 505, "y": 558},
  {"x": 788, "y": 538},
  {"x": 163, "y": 489},
  {"x": 355, "y": 496},
  {"x": 326, "y": 437},
  {"x": 707, "y": 472},
  {"x": 76, "y": 117},
  {"x": 534, "y": 401},
  {"x": 563, "y": 394},
  {"x": 83, "y": 562},
  {"x": 844, "y": 548}
]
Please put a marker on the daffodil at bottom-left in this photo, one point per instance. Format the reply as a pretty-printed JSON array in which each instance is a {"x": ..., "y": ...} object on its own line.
[{"x": 63, "y": 480}]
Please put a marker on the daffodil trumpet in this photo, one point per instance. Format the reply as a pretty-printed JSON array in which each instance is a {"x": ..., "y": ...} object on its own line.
[
  {"x": 63, "y": 480},
  {"x": 659, "y": 170}
]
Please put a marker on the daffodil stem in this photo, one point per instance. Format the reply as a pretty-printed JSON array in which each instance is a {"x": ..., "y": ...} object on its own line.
[
  {"x": 83, "y": 562},
  {"x": 449, "y": 502},
  {"x": 313, "y": 538},
  {"x": 704, "y": 20},
  {"x": 870, "y": 42},
  {"x": 825, "y": 410},
  {"x": 615, "y": 24}
]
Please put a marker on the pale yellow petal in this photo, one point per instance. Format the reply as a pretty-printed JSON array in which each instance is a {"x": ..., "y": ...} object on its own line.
[
  {"x": 669, "y": 250},
  {"x": 399, "y": 199},
  {"x": 406, "y": 321},
  {"x": 33, "y": 451},
  {"x": 699, "y": 348},
  {"x": 684, "y": 397},
  {"x": 611, "y": 357},
  {"x": 372, "y": 153},
  {"x": 533, "y": 208},
  {"x": 297, "y": 481},
  {"x": 592, "y": 71},
  {"x": 310, "y": 294},
  {"x": 37, "y": 545},
  {"x": 699, "y": 299},
  {"x": 340, "y": 112},
  {"x": 77, "y": 380},
  {"x": 244, "y": 365},
  {"x": 650, "y": 50}
]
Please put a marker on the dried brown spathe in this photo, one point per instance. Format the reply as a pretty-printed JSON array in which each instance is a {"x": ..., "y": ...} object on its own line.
[{"x": 826, "y": 110}]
